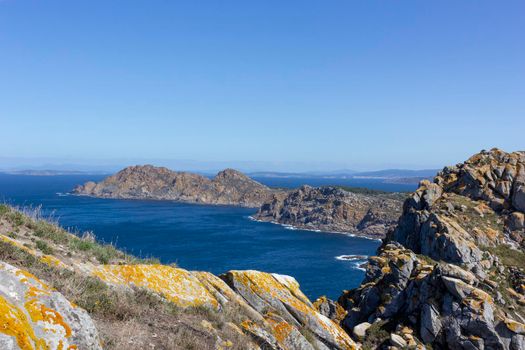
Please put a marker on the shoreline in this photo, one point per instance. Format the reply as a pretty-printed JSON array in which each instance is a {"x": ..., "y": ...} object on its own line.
[
  {"x": 292, "y": 227},
  {"x": 162, "y": 200}
]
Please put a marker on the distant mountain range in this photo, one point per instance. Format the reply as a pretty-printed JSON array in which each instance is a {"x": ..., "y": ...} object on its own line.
[
  {"x": 40, "y": 172},
  {"x": 401, "y": 176}
]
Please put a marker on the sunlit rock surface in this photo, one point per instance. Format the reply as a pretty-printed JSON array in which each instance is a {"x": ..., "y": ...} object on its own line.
[{"x": 33, "y": 316}]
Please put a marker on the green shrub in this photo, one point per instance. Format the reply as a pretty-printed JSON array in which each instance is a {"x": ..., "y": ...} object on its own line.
[
  {"x": 4, "y": 209},
  {"x": 16, "y": 218},
  {"x": 44, "y": 247},
  {"x": 508, "y": 256}
]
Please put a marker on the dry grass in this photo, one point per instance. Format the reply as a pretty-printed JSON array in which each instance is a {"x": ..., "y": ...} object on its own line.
[{"x": 125, "y": 318}]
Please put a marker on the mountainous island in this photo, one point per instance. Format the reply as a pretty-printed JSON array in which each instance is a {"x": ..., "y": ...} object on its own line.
[
  {"x": 334, "y": 209},
  {"x": 324, "y": 208},
  {"x": 228, "y": 187},
  {"x": 450, "y": 275}
]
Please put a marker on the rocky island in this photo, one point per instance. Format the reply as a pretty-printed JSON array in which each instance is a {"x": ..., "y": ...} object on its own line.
[
  {"x": 450, "y": 275},
  {"x": 334, "y": 209},
  {"x": 228, "y": 187}
]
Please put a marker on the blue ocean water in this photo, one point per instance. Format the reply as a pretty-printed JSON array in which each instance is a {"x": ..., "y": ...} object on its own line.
[{"x": 197, "y": 237}]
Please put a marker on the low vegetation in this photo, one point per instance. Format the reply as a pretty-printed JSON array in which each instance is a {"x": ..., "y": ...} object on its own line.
[
  {"x": 126, "y": 319},
  {"x": 375, "y": 336},
  {"x": 509, "y": 256}
]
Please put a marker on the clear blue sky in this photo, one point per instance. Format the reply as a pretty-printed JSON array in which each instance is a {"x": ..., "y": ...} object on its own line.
[{"x": 355, "y": 84}]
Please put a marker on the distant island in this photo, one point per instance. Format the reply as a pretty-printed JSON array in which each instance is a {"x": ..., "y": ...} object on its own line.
[
  {"x": 357, "y": 211},
  {"x": 368, "y": 213},
  {"x": 228, "y": 187},
  {"x": 390, "y": 176}
]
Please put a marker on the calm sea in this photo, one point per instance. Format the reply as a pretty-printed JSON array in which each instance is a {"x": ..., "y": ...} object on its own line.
[{"x": 202, "y": 237}]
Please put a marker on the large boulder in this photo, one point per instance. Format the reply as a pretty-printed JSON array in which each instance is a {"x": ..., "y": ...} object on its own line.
[
  {"x": 34, "y": 316},
  {"x": 281, "y": 295}
]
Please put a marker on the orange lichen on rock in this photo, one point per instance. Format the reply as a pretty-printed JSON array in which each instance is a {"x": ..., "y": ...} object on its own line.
[
  {"x": 176, "y": 285},
  {"x": 29, "y": 312},
  {"x": 15, "y": 323},
  {"x": 280, "y": 292},
  {"x": 280, "y": 329},
  {"x": 40, "y": 312}
]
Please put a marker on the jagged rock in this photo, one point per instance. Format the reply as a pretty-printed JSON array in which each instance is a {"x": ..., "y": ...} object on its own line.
[
  {"x": 34, "y": 316},
  {"x": 430, "y": 323},
  {"x": 329, "y": 308},
  {"x": 333, "y": 209},
  {"x": 282, "y": 295},
  {"x": 398, "y": 341},
  {"x": 148, "y": 182},
  {"x": 436, "y": 272}
]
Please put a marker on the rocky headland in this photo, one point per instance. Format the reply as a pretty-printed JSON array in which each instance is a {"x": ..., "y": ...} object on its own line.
[
  {"x": 228, "y": 187},
  {"x": 451, "y": 275},
  {"x": 334, "y": 209}
]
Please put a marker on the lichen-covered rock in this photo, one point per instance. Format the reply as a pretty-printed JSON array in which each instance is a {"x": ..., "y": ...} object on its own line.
[
  {"x": 281, "y": 294},
  {"x": 34, "y": 316},
  {"x": 176, "y": 285}
]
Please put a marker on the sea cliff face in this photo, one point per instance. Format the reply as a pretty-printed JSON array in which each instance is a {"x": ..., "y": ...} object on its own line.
[
  {"x": 229, "y": 187},
  {"x": 334, "y": 209},
  {"x": 452, "y": 273}
]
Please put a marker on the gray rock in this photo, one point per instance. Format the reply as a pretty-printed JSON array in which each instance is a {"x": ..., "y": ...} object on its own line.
[
  {"x": 430, "y": 323},
  {"x": 359, "y": 331},
  {"x": 25, "y": 298},
  {"x": 397, "y": 340}
]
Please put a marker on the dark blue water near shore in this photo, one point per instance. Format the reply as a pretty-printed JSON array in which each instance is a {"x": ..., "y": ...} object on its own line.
[{"x": 197, "y": 237}]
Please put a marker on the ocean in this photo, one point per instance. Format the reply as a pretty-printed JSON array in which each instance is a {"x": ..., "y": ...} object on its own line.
[{"x": 204, "y": 237}]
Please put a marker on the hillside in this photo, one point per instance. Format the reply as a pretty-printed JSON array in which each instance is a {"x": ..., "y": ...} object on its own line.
[
  {"x": 59, "y": 291},
  {"x": 334, "y": 209},
  {"x": 229, "y": 187}
]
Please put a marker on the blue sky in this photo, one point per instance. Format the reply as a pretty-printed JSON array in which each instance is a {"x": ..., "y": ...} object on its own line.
[{"x": 283, "y": 84}]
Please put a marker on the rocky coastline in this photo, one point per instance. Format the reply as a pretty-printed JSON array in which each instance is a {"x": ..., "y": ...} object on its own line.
[
  {"x": 334, "y": 210},
  {"x": 449, "y": 275}
]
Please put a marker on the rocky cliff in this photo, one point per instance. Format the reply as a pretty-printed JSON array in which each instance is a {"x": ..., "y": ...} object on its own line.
[
  {"x": 59, "y": 291},
  {"x": 229, "y": 187},
  {"x": 452, "y": 273},
  {"x": 334, "y": 209}
]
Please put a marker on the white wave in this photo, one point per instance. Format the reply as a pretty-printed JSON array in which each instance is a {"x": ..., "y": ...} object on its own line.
[
  {"x": 359, "y": 266},
  {"x": 60, "y": 194},
  {"x": 361, "y": 258}
]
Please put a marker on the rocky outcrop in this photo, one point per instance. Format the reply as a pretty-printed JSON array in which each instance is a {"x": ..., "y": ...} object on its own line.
[
  {"x": 229, "y": 187},
  {"x": 34, "y": 316},
  {"x": 334, "y": 209},
  {"x": 451, "y": 273}
]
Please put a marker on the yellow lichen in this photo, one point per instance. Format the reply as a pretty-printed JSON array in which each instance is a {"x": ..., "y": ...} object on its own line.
[
  {"x": 14, "y": 322},
  {"x": 176, "y": 285},
  {"x": 40, "y": 312},
  {"x": 280, "y": 329}
]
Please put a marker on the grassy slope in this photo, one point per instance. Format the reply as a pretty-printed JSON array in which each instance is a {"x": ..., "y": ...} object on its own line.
[{"x": 131, "y": 320}]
